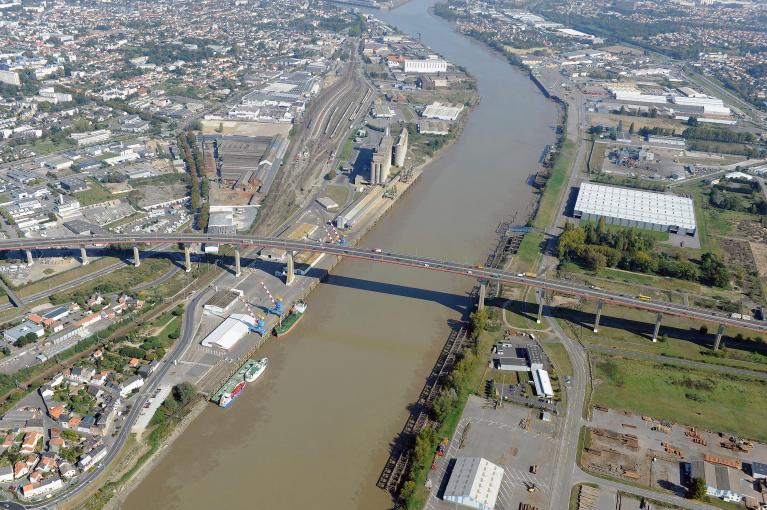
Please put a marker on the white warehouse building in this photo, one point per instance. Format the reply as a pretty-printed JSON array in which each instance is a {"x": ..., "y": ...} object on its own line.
[
  {"x": 635, "y": 208},
  {"x": 474, "y": 482},
  {"x": 229, "y": 332},
  {"x": 430, "y": 65}
]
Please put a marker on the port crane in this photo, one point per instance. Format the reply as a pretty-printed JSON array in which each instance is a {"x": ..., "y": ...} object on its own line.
[
  {"x": 258, "y": 320},
  {"x": 277, "y": 307}
]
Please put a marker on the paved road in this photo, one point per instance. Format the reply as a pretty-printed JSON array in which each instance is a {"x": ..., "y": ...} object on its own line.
[{"x": 547, "y": 284}]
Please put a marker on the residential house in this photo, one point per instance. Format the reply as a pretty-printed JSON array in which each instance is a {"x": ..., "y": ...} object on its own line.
[
  {"x": 20, "y": 469},
  {"x": 30, "y": 442},
  {"x": 67, "y": 470},
  {"x": 55, "y": 444},
  {"x": 6, "y": 474},
  {"x": 131, "y": 384},
  {"x": 35, "y": 490}
]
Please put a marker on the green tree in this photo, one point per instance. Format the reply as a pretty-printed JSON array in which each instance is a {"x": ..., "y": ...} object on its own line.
[
  {"x": 184, "y": 392},
  {"x": 478, "y": 321},
  {"x": 713, "y": 270},
  {"x": 697, "y": 489}
]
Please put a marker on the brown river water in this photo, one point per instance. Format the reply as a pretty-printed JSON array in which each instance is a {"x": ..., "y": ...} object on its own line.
[{"x": 315, "y": 431}]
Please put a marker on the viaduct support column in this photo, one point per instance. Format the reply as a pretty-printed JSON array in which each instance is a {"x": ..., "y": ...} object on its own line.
[
  {"x": 290, "y": 270},
  {"x": 657, "y": 327},
  {"x": 482, "y": 295},
  {"x": 540, "y": 306},
  {"x": 136, "y": 257},
  {"x": 599, "y": 315},
  {"x": 718, "y": 340},
  {"x": 30, "y": 260},
  {"x": 237, "y": 271},
  {"x": 83, "y": 256},
  {"x": 188, "y": 259}
]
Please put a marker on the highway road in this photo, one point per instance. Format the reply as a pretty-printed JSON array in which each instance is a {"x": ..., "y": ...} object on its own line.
[{"x": 547, "y": 284}]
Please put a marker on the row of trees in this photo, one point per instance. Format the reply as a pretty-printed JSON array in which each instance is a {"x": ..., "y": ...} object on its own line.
[
  {"x": 595, "y": 247},
  {"x": 199, "y": 183}
]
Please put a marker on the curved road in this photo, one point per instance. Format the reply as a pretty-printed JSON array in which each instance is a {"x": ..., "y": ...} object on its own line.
[{"x": 546, "y": 284}]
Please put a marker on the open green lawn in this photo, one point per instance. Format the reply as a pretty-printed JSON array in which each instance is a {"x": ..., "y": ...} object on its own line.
[
  {"x": 47, "y": 146},
  {"x": 692, "y": 397},
  {"x": 95, "y": 194},
  {"x": 559, "y": 357},
  {"x": 529, "y": 251}
]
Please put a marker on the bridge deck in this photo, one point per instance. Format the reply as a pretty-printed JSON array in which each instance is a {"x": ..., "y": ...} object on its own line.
[{"x": 547, "y": 284}]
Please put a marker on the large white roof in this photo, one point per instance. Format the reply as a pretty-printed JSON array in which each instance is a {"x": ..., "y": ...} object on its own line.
[
  {"x": 474, "y": 482},
  {"x": 636, "y": 205},
  {"x": 229, "y": 332}
]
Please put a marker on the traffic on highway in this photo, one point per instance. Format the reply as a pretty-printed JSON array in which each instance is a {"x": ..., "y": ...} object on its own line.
[{"x": 379, "y": 255}]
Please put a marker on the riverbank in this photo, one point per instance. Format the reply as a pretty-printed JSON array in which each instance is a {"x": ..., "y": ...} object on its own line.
[
  {"x": 374, "y": 331},
  {"x": 359, "y": 233}
]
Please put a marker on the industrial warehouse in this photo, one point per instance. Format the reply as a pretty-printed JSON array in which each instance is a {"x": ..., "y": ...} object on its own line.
[
  {"x": 229, "y": 332},
  {"x": 634, "y": 208}
]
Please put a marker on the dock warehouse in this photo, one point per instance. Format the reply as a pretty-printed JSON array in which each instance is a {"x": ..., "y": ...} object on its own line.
[
  {"x": 229, "y": 332},
  {"x": 222, "y": 300},
  {"x": 634, "y": 208},
  {"x": 474, "y": 482}
]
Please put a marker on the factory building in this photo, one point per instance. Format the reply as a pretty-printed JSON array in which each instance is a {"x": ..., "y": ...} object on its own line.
[
  {"x": 634, "y": 208},
  {"x": 400, "y": 149},
  {"x": 440, "y": 111},
  {"x": 380, "y": 164},
  {"x": 474, "y": 482},
  {"x": 721, "y": 481},
  {"x": 430, "y": 65},
  {"x": 229, "y": 332},
  {"x": 542, "y": 383},
  {"x": 357, "y": 209},
  {"x": 524, "y": 358}
]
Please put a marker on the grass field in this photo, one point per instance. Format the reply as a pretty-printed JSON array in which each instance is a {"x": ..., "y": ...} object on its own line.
[
  {"x": 338, "y": 194},
  {"x": 630, "y": 330},
  {"x": 93, "y": 195},
  {"x": 121, "y": 280},
  {"x": 552, "y": 195},
  {"x": 66, "y": 276},
  {"x": 692, "y": 397},
  {"x": 559, "y": 357}
]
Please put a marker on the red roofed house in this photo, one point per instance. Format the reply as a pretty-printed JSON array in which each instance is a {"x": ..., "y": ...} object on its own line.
[
  {"x": 30, "y": 441},
  {"x": 20, "y": 469}
]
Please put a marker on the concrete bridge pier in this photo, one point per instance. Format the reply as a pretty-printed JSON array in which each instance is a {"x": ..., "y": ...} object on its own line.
[
  {"x": 237, "y": 270},
  {"x": 136, "y": 257},
  {"x": 658, "y": 318},
  {"x": 188, "y": 259},
  {"x": 719, "y": 334},
  {"x": 599, "y": 315},
  {"x": 290, "y": 270},
  {"x": 83, "y": 256},
  {"x": 540, "y": 306},
  {"x": 482, "y": 295},
  {"x": 30, "y": 260}
]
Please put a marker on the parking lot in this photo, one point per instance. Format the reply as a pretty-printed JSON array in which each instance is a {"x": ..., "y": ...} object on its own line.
[{"x": 510, "y": 436}]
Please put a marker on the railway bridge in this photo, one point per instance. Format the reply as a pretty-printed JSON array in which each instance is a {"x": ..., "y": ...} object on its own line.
[{"x": 484, "y": 275}]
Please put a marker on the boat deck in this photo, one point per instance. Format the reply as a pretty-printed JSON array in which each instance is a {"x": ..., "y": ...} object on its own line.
[{"x": 237, "y": 376}]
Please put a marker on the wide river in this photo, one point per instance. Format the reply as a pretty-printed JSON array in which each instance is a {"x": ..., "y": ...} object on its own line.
[{"x": 314, "y": 432}]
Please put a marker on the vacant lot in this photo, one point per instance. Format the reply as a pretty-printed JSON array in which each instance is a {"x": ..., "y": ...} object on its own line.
[
  {"x": 95, "y": 194},
  {"x": 693, "y": 397}
]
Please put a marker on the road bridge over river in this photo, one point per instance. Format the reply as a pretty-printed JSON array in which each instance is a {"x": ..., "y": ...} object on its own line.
[{"x": 551, "y": 285}]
